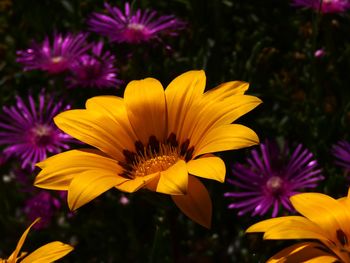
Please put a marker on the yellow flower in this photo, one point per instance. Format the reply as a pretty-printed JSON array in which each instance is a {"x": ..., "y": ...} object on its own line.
[
  {"x": 153, "y": 138},
  {"x": 325, "y": 219},
  {"x": 45, "y": 254}
]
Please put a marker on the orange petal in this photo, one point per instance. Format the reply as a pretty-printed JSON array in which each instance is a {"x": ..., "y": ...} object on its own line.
[
  {"x": 96, "y": 129},
  {"x": 90, "y": 184},
  {"x": 303, "y": 252},
  {"x": 135, "y": 184},
  {"x": 58, "y": 171},
  {"x": 15, "y": 253},
  {"x": 208, "y": 167},
  {"x": 226, "y": 90},
  {"x": 227, "y": 137},
  {"x": 145, "y": 104},
  {"x": 174, "y": 180},
  {"x": 196, "y": 204},
  {"x": 48, "y": 253},
  {"x": 181, "y": 94}
]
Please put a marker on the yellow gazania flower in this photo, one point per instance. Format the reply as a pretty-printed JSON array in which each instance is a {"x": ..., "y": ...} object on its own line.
[
  {"x": 154, "y": 139},
  {"x": 325, "y": 219},
  {"x": 45, "y": 254}
]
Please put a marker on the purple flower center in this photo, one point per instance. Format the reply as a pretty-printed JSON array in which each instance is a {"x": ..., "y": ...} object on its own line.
[
  {"x": 275, "y": 185},
  {"x": 56, "y": 65},
  {"x": 136, "y": 32},
  {"x": 42, "y": 135}
]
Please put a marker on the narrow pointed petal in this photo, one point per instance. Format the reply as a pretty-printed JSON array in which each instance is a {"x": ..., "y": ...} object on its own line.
[
  {"x": 145, "y": 104},
  {"x": 265, "y": 225},
  {"x": 15, "y": 253},
  {"x": 48, "y": 253},
  {"x": 304, "y": 252},
  {"x": 181, "y": 94},
  {"x": 95, "y": 129},
  {"x": 208, "y": 167},
  {"x": 312, "y": 205},
  {"x": 174, "y": 180},
  {"x": 88, "y": 185},
  {"x": 227, "y": 137},
  {"x": 196, "y": 204},
  {"x": 59, "y": 170}
]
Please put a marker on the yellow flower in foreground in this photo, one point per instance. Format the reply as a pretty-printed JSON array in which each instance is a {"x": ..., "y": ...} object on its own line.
[
  {"x": 45, "y": 254},
  {"x": 153, "y": 138},
  {"x": 325, "y": 219}
]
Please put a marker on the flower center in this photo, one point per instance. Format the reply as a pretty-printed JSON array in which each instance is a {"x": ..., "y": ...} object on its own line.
[
  {"x": 136, "y": 26},
  {"x": 156, "y": 164},
  {"x": 42, "y": 134},
  {"x": 155, "y": 156},
  {"x": 57, "y": 59},
  {"x": 274, "y": 184}
]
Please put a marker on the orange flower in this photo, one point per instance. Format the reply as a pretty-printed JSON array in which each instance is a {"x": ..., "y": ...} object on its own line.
[{"x": 154, "y": 139}]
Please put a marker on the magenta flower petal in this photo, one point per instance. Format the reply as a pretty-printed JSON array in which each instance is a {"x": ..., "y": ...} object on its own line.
[
  {"x": 56, "y": 56},
  {"x": 270, "y": 177},
  {"x": 28, "y": 131},
  {"x": 94, "y": 70},
  {"x": 341, "y": 151},
  {"x": 133, "y": 26},
  {"x": 327, "y": 6}
]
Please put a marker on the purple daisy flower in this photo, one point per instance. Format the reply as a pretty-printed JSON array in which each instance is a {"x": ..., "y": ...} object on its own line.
[
  {"x": 133, "y": 26},
  {"x": 55, "y": 58},
  {"x": 341, "y": 151},
  {"x": 42, "y": 205},
  {"x": 324, "y": 6},
  {"x": 271, "y": 178},
  {"x": 94, "y": 70},
  {"x": 28, "y": 130}
]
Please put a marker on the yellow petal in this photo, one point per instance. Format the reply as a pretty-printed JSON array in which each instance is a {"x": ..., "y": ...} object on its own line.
[
  {"x": 88, "y": 185},
  {"x": 288, "y": 227},
  {"x": 15, "y": 253},
  {"x": 174, "y": 180},
  {"x": 326, "y": 212},
  {"x": 226, "y": 137},
  {"x": 196, "y": 204},
  {"x": 135, "y": 184},
  {"x": 303, "y": 252},
  {"x": 145, "y": 104},
  {"x": 48, "y": 253},
  {"x": 181, "y": 94},
  {"x": 58, "y": 170},
  {"x": 226, "y": 90},
  {"x": 208, "y": 167},
  {"x": 97, "y": 129},
  {"x": 210, "y": 114}
]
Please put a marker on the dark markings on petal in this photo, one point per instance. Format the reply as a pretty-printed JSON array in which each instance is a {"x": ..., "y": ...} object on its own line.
[
  {"x": 189, "y": 154},
  {"x": 139, "y": 147},
  {"x": 172, "y": 140},
  {"x": 153, "y": 144},
  {"x": 341, "y": 236},
  {"x": 126, "y": 166},
  {"x": 184, "y": 147},
  {"x": 130, "y": 157}
]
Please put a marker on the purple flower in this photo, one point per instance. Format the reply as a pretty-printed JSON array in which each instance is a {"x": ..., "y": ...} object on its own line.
[
  {"x": 341, "y": 151},
  {"x": 133, "y": 26},
  {"x": 320, "y": 53},
  {"x": 54, "y": 58},
  {"x": 324, "y": 6},
  {"x": 28, "y": 131},
  {"x": 270, "y": 178},
  {"x": 94, "y": 70},
  {"x": 42, "y": 205}
]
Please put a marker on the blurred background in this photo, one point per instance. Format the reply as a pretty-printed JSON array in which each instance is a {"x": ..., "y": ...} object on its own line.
[{"x": 296, "y": 59}]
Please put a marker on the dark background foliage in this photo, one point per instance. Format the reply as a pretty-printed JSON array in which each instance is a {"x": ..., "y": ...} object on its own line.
[{"x": 267, "y": 43}]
